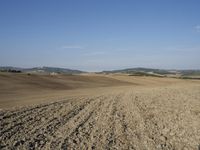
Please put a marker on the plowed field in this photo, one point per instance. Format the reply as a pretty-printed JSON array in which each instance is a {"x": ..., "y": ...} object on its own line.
[{"x": 160, "y": 117}]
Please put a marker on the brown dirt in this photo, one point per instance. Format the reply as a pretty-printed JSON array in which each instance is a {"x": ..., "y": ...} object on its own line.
[
  {"x": 23, "y": 89},
  {"x": 155, "y": 113}
]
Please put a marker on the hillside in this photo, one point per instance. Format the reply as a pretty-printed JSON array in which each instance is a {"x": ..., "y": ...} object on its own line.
[
  {"x": 41, "y": 70},
  {"x": 156, "y": 72}
]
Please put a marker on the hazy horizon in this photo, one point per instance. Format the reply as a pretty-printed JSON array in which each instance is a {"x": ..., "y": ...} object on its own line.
[{"x": 100, "y": 35}]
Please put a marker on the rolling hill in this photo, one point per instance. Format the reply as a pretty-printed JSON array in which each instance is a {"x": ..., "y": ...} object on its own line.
[
  {"x": 155, "y": 72},
  {"x": 41, "y": 70}
]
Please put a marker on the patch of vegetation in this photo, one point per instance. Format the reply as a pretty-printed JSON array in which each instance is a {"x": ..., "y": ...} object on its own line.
[
  {"x": 144, "y": 74},
  {"x": 145, "y": 70},
  {"x": 12, "y": 71},
  {"x": 193, "y": 78},
  {"x": 191, "y": 72}
]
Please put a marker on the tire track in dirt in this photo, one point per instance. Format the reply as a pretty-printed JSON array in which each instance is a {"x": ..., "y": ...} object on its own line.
[
  {"x": 28, "y": 122},
  {"x": 51, "y": 123},
  {"x": 88, "y": 135},
  {"x": 134, "y": 123},
  {"x": 43, "y": 134},
  {"x": 118, "y": 135},
  {"x": 155, "y": 130},
  {"x": 31, "y": 127},
  {"x": 154, "y": 134},
  {"x": 17, "y": 114},
  {"x": 143, "y": 129},
  {"x": 23, "y": 118},
  {"x": 79, "y": 126},
  {"x": 16, "y": 119},
  {"x": 111, "y": 137},
  {"x": 109, "y": 130},
  {"x": 99, "y": 130}
]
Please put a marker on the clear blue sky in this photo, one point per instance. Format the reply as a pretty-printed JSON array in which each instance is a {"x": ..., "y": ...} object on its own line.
[{"x": 96, "y": 35}]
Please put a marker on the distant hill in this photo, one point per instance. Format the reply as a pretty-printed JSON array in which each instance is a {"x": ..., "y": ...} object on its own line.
[
  {"x": 130, "y": 71},
  {"x": 145, "y": 70},
  {"x": 155, "y": 72},
  {"x": 40, "y": 70}
]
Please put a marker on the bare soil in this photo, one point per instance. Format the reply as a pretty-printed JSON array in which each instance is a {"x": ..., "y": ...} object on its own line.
[{"x": 146, "y": 113}]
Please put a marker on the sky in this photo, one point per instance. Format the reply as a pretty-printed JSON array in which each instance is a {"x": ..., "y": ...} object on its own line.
[{"x": 95, "y": 35}]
